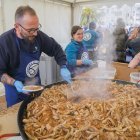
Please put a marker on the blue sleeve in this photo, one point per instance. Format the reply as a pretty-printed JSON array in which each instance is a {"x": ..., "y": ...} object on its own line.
[
  {"x": 71, "y": 54},
  {"x": 96, "y": 38}
]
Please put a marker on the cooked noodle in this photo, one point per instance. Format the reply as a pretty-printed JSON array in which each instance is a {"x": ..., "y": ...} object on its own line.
[{"x": 51, "y": 116}]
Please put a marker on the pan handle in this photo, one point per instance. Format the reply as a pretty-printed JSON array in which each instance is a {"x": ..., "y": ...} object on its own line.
[{"x": 9, "y": 135}]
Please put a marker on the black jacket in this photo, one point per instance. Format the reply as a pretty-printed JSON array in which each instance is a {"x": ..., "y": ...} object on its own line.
[
  {"x": 134, "y": 45},
  {"x": 9, "y": 52},
  {"x": 120, "y": 39}
]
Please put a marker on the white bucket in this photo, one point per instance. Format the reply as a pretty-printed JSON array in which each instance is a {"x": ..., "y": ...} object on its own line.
[
  {"x": 135, "y": 77},
  {"x": 106, "y": 73},
  {"x": 101, "y": 63}
]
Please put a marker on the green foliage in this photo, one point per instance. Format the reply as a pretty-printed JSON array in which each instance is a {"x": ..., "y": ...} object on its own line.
[{"x": 87, "y": 16}]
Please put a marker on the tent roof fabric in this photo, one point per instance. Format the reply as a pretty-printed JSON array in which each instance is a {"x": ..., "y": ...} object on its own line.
[{"x": 76, "y": 1}]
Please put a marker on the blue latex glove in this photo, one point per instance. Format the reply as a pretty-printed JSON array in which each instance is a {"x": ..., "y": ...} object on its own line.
[
  {"x": 65, "y": 73},
  {"x": 87, "y": 62},
  {"x": 18, "y": 85}
]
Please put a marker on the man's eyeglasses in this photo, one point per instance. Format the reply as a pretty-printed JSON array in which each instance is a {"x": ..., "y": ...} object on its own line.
[{"x": 32, "y": 30}]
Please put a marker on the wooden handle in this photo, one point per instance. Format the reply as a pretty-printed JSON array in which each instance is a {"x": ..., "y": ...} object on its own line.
[{"x": 9, "y": 135}]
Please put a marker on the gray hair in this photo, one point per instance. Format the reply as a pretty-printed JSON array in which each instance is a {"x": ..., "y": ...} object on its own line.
[{"x": 22, "y": 10}]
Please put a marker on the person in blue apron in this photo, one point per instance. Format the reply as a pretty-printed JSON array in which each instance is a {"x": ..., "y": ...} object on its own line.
[
  {"x": 91, "y": 39},
  {"x": 20, "y": 50},
  {"x": 27, "y": 72},
  {"x": 77, "y": 55}
]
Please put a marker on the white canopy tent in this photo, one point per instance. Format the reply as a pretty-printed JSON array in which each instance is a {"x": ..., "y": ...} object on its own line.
[{"x": 57, "y": 18}]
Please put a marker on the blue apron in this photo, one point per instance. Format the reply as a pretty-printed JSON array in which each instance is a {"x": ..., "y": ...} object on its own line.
[
  {"x": 81, "y": 54},
  {"x": 89, "y": 39},
  {"x": 27, "y": 72}
]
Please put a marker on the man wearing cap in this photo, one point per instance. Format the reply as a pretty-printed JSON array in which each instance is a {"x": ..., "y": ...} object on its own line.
[{"x": 90, "y": 39}]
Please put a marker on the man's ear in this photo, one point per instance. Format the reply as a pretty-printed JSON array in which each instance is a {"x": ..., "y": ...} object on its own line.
[
  {"x": 17, "y": 29},
  {"x": 16, "y": 26}
]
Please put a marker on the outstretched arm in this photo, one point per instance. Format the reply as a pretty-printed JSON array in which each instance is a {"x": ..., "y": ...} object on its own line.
[{"x": 135, "y": 61}]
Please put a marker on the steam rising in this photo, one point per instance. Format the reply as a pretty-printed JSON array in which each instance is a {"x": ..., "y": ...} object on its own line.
[
  {"x": 105, "y": 54},
  {"x": 31, "y": 81},
  {"x": 98, "y": 91}
]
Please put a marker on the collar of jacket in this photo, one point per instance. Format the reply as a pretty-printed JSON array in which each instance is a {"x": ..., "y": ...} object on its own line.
[{"x": 75, "y": 42}]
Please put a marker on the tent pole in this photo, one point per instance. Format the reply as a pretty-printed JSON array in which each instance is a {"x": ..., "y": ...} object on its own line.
[
  {"x": 59, "y": 1},
  {"x": 72, "y": 12},
  {"x": 2, "y": 15}
]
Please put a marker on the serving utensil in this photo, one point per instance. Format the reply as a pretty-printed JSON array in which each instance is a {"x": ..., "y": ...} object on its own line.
[{"x": 32, "y": 88}]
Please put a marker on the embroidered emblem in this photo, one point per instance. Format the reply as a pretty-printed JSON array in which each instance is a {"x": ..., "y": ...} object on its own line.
[
  {"x": 87, "y": 36},
  {"x": 32, "y": 68},
  {"x": 84, "y": 55}
]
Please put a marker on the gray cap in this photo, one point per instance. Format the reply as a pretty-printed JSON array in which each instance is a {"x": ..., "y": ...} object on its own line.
[{"x": 92, "y": 25}]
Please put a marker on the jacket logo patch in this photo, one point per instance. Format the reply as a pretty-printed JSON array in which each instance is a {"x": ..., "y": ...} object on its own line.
[
  {"x": 87, "y": 36},
  {"x": 32, "y": 68},
  {"x": 84, "y": 55}
]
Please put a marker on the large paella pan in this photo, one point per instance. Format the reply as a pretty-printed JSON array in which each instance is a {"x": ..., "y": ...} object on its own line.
[{"x": 114, "y": 115}]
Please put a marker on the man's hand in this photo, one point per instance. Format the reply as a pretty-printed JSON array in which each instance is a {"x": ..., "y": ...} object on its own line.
[
  {"x": 18, "y": 85},
  {"x": 7, "y": 79},
  {"x": 65, "y": 73},
  {"x": 87, "y": 62}
]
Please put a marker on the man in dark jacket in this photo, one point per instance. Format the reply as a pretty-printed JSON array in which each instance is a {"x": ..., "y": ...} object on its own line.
[
  {"x": 133, "y": 44},
  {"x": 20, "y": 50},
  {"x": 120, "y": 39}
]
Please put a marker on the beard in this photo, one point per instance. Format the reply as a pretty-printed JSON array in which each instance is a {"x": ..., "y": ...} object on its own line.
[{"x": 29, "y": 39}]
